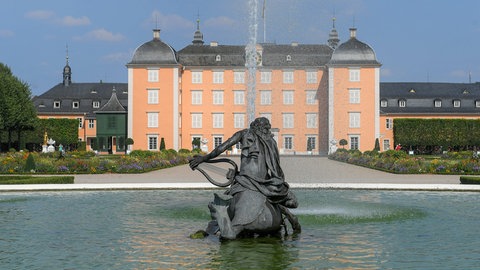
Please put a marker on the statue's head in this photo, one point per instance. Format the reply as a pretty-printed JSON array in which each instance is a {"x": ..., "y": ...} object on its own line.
[{"x": 261, "y": 124}]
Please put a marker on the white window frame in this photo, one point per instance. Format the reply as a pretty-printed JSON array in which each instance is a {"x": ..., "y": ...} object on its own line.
[
  {"x": 402, "y": 103},
  {"x": 197, "y": 97},
  {"x": 265, "y": 77},
  {"x": 311, "y": 120},
  {"x": 196, "y": 120},
  {"x": 197, "y": 77},
  {"x": 354, "y": 119},
  {"x": 239, "y": 97},
  {"x": 477, "y": 103},
  {"x": 288, "y": 142},
  {"x": 354, "y": 142},
  {"x": 354, "y": 95},
  {"x": 288, "y": 120},
  {"x": 218, "y": 77},
  {"x": 383, "y": 103},
  {"x": 217, "y": 96},
  {"x": 312, "y": 76},
  {"x": 217, "y": 140},
  {"x": 75, "y": 104},
  {"x": 152, "y": 142},
  {"x": 288, "y": 97},
  {"x": 386, "y": 144},
  {"x": 80, "y": 122},
  {"x": 314, "y": 138},
  {"x": 265, "y": 97},
  {"x": 96, "y": 104},
  {"x": 310, "y": 97},
  {"x": 239, "y": 77},
  {"x": 153, "y": 75},
  {"x": 354, "y": 74},
  {"x": 152, "y": 119},
  {"x": 389, "y": 123},
  {"x": 457, "y": 103},
  {"x": 152, "y": 96},
  {"x": 437, "y": 103},
  {"x": 91, "y": 123},
  {"x": 57, "y": 104},
  {"x": 238, "y": 120},
  {"x": 217, "y": 120},
  {"x": 288, "y": 76}
]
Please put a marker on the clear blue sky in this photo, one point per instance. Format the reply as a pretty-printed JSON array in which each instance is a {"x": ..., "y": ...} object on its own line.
[{"x": 416, "y": 41}]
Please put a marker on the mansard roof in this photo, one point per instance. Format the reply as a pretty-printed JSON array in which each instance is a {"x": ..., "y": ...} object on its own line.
[
  {"x": 113, "y": 105},
  {"x": 420, "y": 97},
  {"x": 83, "y": 93}
]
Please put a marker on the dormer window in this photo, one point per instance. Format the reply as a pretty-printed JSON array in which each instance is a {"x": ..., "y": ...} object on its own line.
[
  {"x": 466, "y": 92},
  {"x": 289, "y": 58},
  {"x": 93, "y": 91},
  {"x": 437, "y": 103},
  {"x": 383, "y": 103},
  {"x": 477, "y": 103},
  {"x": 56, "y": 104},
  {"x": 402, "y": 103},
  {"x": 96, "y": 104},
  {"x": 413, "y": 91},
  {"x": 218, "y": 58},
  {"x": 456, "y": 103},
  {"x": 75, "y": 104}
]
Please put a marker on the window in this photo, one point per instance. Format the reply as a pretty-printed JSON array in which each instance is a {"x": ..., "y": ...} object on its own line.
[
  {"x": 56, "y": 104},
  {"x": 354, "y": 74},
  {"x": 287, "y": 76},
  {"x": 91, "y": 123},
  {"x": 152, "y": 119},
  {"x": 238, "y": 97},
  {"x": 312, "y": 120},
  {"x": 152, "y": 75},
  {"x": 311, "y": 77},
  {"x": 218, "y": 77},
  {"x": 389, "y": 123},
  {"x": 197, "y": 97},
  {"x": 354, "y": 119},
  {"x": 437, "y": 103},
  {"x": 96, "y": 104},
  {"x": 386, "y": 144},
  {"x": 265, "y": 97},
  {"x": 287, "y": 120},
  {"x": 383, "y": 103},
  {"x": 310, "y": 97},
  {"x": 217, "y": 120},
  {"x": 75, "y": 104},
  {"x": 196, "y": 120},
  {"x": 265, "y": 77},
  {"x": 239, "y": 120},
  {"x": 288, "y": 97},
  {"x": 354, "y": 142},
  {"x": 456, "y": 103},
  {"x": 112, "y": 122},
  {"x": 238, "y": 77},
  {"x": 268, "y": 116},
  {"x": 197, "y": 77},
  {"x": 289, "y": 58},
  {"x": 80, "y": 122},
  {"x": 402, "y": 103},
  {"x": 218, "y": 58},
  {"x": 354, "y": 95},
  {"x": 217, "y": 140},
  {"x": 288, "y": 142},
  {"x": 152, "y": 142},
  {"x": 152, "y": 96},
  {"x": 311, "y": 143},
  {"x": 477, "y": 103},
  {"x": 217, "y": 97}
]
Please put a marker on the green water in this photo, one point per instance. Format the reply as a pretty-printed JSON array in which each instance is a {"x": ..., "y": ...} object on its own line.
[{"x": 150, "y": 229}]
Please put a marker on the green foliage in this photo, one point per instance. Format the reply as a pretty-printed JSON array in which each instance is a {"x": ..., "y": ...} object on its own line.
[
  {"x": 129, "y": 141},
  {"x": 471, "y": 180},
  {"x": 142, "y": 153},
  {"x": 63, "y": 131},
  {"x": 162, "y": 144},
  {"x": 82, "y": 146},
  {"x": 184, "y": 151},
  {"x": 30, "y": 164},
  {"x": 343, "y": 142},
  {"x": 377, "y": 145},
  {"x": 447, "y": 132},
  {"x": 196, "y": 143},
  {"x": 28, "y": 179}
]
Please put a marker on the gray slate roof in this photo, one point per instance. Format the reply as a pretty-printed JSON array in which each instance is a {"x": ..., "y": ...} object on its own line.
[
  {"x": 354, "y": 52},
  {"x": 113, "y": 105},
  {"x": 84, "y": 93},
  {"x": 420, "y": 97}
]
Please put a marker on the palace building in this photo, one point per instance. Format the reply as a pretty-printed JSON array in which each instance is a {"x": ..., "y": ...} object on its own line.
[{"x": 313, "y": 94}]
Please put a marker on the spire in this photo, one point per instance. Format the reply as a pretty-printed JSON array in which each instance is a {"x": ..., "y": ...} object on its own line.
[
  {"x": 67, "y": 71},
  {"x": 198, "y": 36},
  {"x": 333, "y": 39}
]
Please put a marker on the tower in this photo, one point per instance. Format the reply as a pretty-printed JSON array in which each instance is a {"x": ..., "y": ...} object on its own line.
[{"x": 67, "y": 72}]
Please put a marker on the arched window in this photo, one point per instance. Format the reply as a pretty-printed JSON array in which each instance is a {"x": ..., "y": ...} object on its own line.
[
  {"x": 289, "y": 57},
  {"x": 218, "y": 58}
]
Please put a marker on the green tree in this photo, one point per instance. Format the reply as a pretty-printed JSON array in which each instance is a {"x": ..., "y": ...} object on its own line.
[
  {"x": 17, "y": 113},
  {"x": 162, "y": 144},
  {"x": 343, "y": 142}
]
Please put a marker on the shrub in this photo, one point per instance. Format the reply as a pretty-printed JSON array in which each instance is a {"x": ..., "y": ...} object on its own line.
[
  {"x": 472, "y": 180},
  {"x": 30, "y": 164}
]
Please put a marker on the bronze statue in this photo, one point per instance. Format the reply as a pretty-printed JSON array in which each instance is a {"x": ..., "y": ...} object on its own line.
[{"x": 258, "y": 197}]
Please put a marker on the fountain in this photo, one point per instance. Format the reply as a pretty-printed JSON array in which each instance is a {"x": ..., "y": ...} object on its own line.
[
  {"x": 342, "y": 229},
  {"x": 251, "y": 59}
]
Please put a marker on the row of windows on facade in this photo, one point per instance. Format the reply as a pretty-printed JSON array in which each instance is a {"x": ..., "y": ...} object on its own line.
[
  {"x": 239, "y": 120},
  {"x": 437, "y": 103},
  {"x": 265, "y": 76},
  {"x": 75, "y": 104},
  {"x": 288, "y": 58},
  {"x": 354, "y": 143}
]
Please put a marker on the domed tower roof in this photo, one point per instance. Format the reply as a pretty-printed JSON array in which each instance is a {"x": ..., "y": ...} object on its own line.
[
  {"x": 198, "y": 36},
  {"x": 67, "y": 72},
  {"x": 333, "y": 39},
  {"x": 353, "y": 52},
  {"x": 155, "y": 52}
]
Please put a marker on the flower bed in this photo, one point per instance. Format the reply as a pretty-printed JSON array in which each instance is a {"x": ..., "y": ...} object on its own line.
[
  {"x": 89, "y": 163},
  {"x": 400, "y": 162}
]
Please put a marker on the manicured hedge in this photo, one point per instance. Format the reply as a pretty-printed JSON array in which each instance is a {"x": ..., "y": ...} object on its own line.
[
  {"x": 28, "y": 179},
  {"x": 475, "y": 180}
]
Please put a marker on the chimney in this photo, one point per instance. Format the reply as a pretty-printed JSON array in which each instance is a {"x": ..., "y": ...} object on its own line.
[
  {"x": 156, "y": 33},
  {"x": 213, "y": 44},
  {"x": 353, "y": 32}
]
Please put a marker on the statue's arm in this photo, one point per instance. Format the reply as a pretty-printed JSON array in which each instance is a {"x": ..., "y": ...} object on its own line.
[{"x": 218, "y": 150}]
